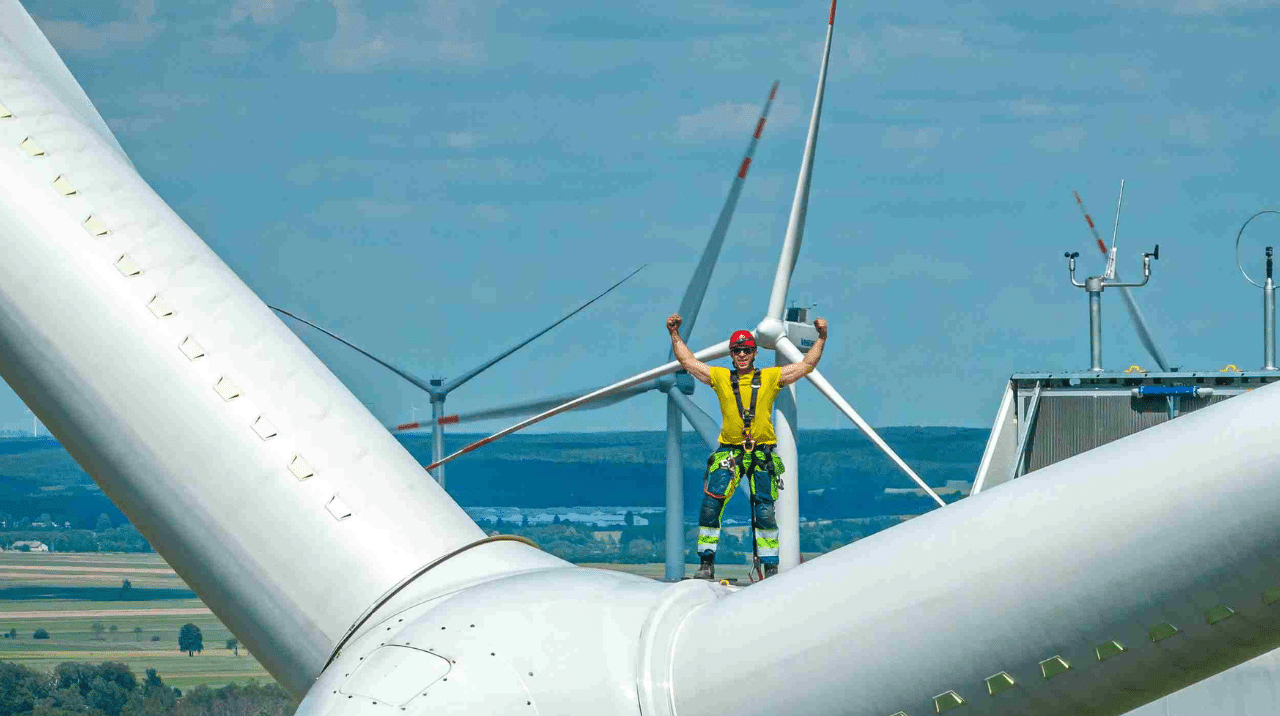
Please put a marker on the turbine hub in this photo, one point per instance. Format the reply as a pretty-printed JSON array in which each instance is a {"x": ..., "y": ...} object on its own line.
[
  {"x": 665, "y": 383},
  {"x": 769, "y": 331}
]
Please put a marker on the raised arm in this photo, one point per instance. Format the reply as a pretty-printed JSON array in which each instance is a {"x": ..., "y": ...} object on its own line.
[
  {"x": 696, "y": 368},
  {"x": 796, "y": 371}
]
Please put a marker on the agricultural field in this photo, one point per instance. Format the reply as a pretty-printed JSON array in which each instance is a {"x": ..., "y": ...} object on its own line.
[{"x": 65, "y": 594}]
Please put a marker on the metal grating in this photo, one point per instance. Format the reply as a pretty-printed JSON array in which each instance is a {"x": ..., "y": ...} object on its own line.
[
  {"x": 1108, "y": 649},
  {"x": 338, "y": 508},
  {"x": 1071, "y": 424},
  {"x": 191, "y": 349},
  {"x": 227, "y": 389},
  {"x": 127, "y": 266},
  {"x": 946, "y": 701},
  {"x": 300, "y": 468},
  {"x": 95, "y": 227},
  {"x": 1000, "y": 682},
  {"x": 63, "y": 187},
  {"x": 1222, "y": 612},
  {"x": 29, "y": 146},
  {"x": 159, "y": 307},
  {"x": 1160, "y": 632},
  {"x": 1053, "y": 666},
  {"x": 264, "y": 428}
]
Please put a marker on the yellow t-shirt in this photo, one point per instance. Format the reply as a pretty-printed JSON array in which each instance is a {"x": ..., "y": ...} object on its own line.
[{"x": 762, "y": 422}]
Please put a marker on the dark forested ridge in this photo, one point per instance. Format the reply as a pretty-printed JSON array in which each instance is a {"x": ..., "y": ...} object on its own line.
[{"x": 843, "y": 475}]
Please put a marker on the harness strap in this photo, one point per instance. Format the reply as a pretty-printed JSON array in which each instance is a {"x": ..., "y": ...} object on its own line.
[{"x": 748, "y": 414}]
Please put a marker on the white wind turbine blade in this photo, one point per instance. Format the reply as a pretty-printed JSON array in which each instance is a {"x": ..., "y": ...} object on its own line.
[
  {"x": 444, "y": 389},
  {"x": 719, "y": 350},
  {"x": 419, "y": 382},
  {"x": 1135, "y": 313},
  {"x": 707, "y": 428},
  {"x": 800, "y": 204},
  {"x": 531, "y": 407},
  {"x": 789, "y": 350},
  {"x": 697, "y": 289},
  {"x": 489, "y": 363}
]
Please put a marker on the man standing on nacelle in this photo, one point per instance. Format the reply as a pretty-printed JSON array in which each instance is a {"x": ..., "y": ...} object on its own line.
[{"x": 747, "y": 440}]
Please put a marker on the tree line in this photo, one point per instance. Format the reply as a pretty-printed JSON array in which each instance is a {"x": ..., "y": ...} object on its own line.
[{"x": 112, "y": 689}]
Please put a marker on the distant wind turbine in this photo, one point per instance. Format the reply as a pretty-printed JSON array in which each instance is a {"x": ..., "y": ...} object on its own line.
[
  {"x": 772, "y": 332},
  {"x": 677, "y": 387},
  {"x": 439, "y": 389}
]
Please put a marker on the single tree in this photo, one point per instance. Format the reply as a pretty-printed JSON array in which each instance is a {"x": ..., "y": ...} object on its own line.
[
  {"x": 137, "y": 633},
  {"x": 104, "y": 523},
  {"x": 629, "y": 518},
  {"x": 98, "y": 628},
  {"x": 113, "y": 630},
  {"x": 40, "y": 634},
  {"x": 234, "y": 646},
  {"x": 190, "y": 639},
  {"x": 125, "y": 585}
]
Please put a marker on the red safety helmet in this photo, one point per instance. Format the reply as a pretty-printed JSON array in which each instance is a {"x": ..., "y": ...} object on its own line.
[{"x": 742, "y": 338}]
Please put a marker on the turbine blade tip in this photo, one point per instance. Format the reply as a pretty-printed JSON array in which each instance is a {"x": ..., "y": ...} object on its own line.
[
  {"x": 408, "y": 426},
  {"x": 449, "y": 419},
  {"x": 832, "y": 20}
]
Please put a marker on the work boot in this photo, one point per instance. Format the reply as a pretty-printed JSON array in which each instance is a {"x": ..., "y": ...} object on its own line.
[
  {"x": 770, "y": 570},
  {"x": 706, "y": 570}
]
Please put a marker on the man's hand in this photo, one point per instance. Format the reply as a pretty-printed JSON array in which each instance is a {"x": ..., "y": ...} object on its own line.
[
  {"x": 673, "y": 323},
  {"x": 819, "y": 323}
]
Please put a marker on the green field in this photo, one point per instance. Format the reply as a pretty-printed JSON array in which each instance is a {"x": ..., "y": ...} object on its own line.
[{"x": 66, "y": 593}]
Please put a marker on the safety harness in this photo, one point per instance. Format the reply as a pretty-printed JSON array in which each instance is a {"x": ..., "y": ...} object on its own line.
[
  {"x": 746, "y": 463},
  {"x": 747, "y": 414}
]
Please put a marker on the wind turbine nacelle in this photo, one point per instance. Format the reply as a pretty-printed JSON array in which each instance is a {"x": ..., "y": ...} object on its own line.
[
  {"x": 804, "y": 335},
  {"x": 559, "y": 641}
]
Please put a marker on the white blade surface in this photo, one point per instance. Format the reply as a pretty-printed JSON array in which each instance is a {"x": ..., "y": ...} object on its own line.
[
  {"x": 530, "y": 407},
  {"x": 693, "y": 295},
  {"x": 719, "y": 350},
  {"x": 789, "y": 350},
  {"x": 800, "y": 204}
]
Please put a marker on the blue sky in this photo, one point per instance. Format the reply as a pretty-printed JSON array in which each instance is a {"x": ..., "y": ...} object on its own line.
[{"x": 434, "y": 179}]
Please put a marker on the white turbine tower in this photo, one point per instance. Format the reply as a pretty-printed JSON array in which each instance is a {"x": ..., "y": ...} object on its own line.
[
  {"x": 439, "y": 389},
  {"x": 773, "y": 333}
]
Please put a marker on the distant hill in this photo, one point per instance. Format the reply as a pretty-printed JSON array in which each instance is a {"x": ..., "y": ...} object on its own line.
[{"x": 842, "y": 474}]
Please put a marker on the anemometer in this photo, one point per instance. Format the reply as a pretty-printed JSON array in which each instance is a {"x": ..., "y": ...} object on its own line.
[{"x": 1095, "y": 285}]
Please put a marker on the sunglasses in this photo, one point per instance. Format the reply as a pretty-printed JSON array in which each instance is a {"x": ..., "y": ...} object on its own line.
[{"x": 742, "y": 351}]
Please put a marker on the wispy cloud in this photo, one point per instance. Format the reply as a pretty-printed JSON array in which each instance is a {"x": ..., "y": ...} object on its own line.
[
  {"x": 262, "y": 12},
  {"x": 437, "y": 31},
  {"x": 731, "y": 120},
  {"x": 80, "y": 37},
  {"x": 916, "y": 138},
  {"x": 1192, "y": 128},
  {"x": 1067, "y": 139}
]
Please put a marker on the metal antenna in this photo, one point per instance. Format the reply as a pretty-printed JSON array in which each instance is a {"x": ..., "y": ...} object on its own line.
[
  {"x": 1268, "y": 298},
  {"x": 1115, "y": 229}
]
